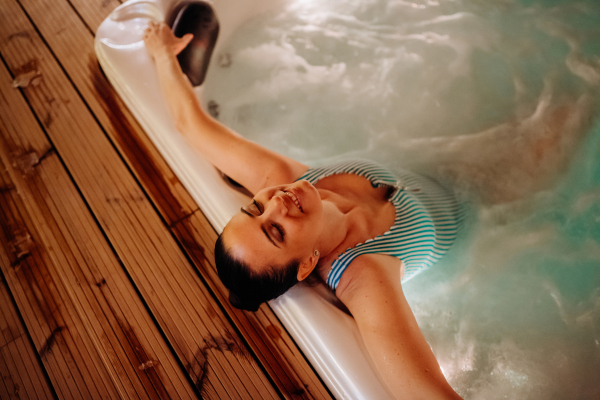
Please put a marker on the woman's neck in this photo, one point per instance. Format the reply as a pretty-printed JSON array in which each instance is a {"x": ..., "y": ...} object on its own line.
[
  {"x": 353, "y": 212},
  {"x": 336, "y": 225}
]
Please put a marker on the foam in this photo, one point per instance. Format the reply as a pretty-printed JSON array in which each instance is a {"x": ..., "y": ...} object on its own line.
[{"x": 496, "y": 99}]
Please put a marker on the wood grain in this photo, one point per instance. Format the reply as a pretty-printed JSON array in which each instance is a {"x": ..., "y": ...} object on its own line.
[
  {"x": 87, "y": 322},
  {"x": 21, "y": 373},
  {"x": 116, "y": 281},
  {"x": 174, "y": 293}
]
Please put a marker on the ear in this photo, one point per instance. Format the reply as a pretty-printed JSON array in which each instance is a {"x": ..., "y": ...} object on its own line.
[{"x": 306, "y": 267}]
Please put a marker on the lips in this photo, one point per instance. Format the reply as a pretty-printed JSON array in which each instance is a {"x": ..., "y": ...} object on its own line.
[{"x": 294, "y": 198}]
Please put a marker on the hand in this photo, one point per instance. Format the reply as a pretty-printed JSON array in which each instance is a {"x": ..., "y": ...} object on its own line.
[{"x": 160, "y": 40}]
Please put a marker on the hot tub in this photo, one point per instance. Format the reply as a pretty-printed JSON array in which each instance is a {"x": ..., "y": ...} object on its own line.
[
  {"x": 327, "y": 336},
  {"x": 497, "y": 100}
]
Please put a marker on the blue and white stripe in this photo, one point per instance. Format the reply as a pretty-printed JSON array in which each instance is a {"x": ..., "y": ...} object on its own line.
[{"x": 425, "y": 226}]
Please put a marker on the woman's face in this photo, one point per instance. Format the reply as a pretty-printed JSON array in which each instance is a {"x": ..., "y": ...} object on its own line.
[{"x": 281, "y": 224}]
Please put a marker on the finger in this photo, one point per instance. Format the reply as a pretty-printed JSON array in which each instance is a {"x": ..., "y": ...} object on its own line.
[
  {"x": 182, "y": 42},
  {"x": 187, "y": 38}
]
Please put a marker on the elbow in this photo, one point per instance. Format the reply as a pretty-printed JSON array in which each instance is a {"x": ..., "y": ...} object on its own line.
[
  {"x": 181, "y": 125},
  {"x": 277, "y": 173},
  {"x": 184, "y": 121},
  {"x": 187, "y": 114}
]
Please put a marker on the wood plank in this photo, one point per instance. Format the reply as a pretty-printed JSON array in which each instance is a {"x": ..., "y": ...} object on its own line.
[
  {"x": 95, "y": 9},
  {"x": 143, "y": 158},
  {"x": 265, "y": 334},
  {"x": 110, "y": 319},
  {"x": 61, "y": 389},
  {"x": 23, "y": 386},
  {"x": 93, "y": 12},
  {"x": 10, "y": 385},
  {"x": 138, "y": 328},
  {"x": 41, "y": 388},
  {"x": 51, "y": 363},
  {"x": 62, "y": 335},
  {"x": 271, "y": 343},
  {"x": 162, "y": 274},
  {"x": 6, "y": 383},
  {"x": 14, "y": 337},
  {"x": 40, "y": 294}
]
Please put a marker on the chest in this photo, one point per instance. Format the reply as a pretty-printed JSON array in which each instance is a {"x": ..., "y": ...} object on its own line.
[{"x": 367, "y": 209}]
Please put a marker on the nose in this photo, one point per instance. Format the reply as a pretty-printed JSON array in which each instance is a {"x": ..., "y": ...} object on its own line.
[{"x": 276, "y": 206}]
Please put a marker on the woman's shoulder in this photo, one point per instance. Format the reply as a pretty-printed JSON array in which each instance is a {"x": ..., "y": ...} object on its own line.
[
  {"x": 371, "y": 170},
  {"x": 367, "y": 273}
]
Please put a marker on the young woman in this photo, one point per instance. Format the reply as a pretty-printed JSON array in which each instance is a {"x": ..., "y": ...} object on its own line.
[{"x": 357, "y": 226}]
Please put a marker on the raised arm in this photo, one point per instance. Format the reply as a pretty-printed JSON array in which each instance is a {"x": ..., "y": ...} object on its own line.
[
  {"x": 246, "y": 162},
  {"x": 371, "y": 290}
]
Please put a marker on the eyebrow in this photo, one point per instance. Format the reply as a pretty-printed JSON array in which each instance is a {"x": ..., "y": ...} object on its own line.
[{"x": 262, "y": 228}]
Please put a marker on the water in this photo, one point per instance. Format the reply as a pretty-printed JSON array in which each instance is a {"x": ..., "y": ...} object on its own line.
[{"x": 498, "y": 101}]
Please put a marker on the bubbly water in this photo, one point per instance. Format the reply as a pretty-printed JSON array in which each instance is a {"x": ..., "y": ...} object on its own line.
[{"x": 495, "y": 99}]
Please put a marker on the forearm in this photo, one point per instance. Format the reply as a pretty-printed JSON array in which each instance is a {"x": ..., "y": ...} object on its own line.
[
  {"x": 206, "y": 134},
  {"x": 217, "y": 143},
  {"x": 371, "y": 290},
  {"x": 179, "y": 94},
  {"x": 404, "y": 358},
  {"x": 250, "y": 164}
]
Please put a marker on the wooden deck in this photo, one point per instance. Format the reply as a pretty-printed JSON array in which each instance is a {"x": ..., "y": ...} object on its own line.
[{"x": 108, "y": 285}]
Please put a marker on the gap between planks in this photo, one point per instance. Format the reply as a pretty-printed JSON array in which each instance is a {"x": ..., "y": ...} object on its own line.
[
  {"x": 19, "y": 368},
  {"x": 122, "y": 219},
  {"x": 52, "y": 234}
]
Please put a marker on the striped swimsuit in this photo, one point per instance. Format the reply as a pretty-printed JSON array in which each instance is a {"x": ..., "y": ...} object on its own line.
[{"x": 425, "y": 226}]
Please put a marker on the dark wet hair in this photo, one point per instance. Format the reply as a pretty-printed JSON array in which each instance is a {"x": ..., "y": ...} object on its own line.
[{"x": 248, "y": 289}]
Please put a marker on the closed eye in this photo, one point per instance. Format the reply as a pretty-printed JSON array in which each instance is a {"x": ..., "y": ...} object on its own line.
[
  {"x": 273, "y": 231},
  {"x": 253, "y": 209},
  {"x": 277, "y": 232}
]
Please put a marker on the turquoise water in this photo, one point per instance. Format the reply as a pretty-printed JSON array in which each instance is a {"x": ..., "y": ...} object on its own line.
[{"x": 498, "y": 101}]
